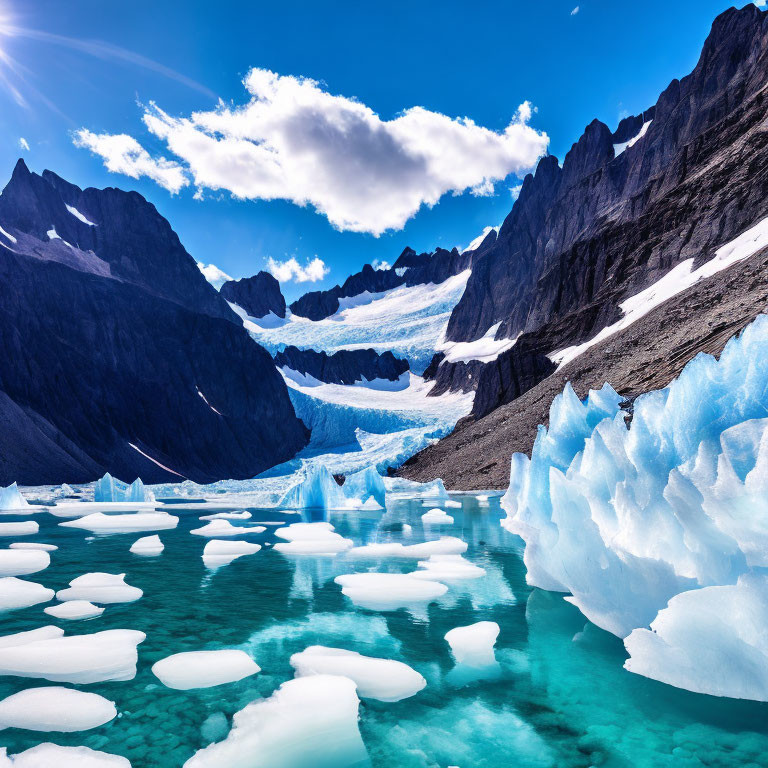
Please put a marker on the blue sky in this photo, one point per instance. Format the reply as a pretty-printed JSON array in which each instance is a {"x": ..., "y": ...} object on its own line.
[{"x": 87, "y": 64}]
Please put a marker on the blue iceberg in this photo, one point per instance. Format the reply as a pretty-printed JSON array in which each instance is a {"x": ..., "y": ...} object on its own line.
[
  {"x": 11, "y": 499},
  {"x": 317, "y": 490},
  {"x": 364, "y": 485},
  {"x": 108, "y": 489},
  {"x": 626, "y": 516}
]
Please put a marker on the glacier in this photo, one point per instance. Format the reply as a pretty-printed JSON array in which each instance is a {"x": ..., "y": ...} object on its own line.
[
  {"x": 408, "y": 321},
  {"x": 639, "y": 522}
]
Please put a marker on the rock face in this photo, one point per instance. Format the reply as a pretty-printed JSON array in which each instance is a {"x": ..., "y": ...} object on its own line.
[
  {"x": 409, "y": 269},
  {"x": 258, "y": 295},
  {"x": 343, "y": 367},
  {"x": 117, "y": 354},
  {"x": 582, "y": 238}
]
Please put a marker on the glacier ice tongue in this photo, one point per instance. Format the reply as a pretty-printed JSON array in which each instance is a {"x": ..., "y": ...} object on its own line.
[
  {"x": 626, "y": 517},
  {"x": 12, "y": 500},
  {"x": 307, "y": 721}
]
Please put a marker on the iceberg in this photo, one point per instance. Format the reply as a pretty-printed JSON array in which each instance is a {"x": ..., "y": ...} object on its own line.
[
  {"x": 436, "y": 517},
  {"x": 625, "y": 517},
  {"x": 311, "y": 539},
  {"x": 307, "y": 721},
  {"x": 473, "y": 645},
  {"x": 53, "y": 708},
  {"x": 135, "y": 522},
  {"x": 445, "y": 545},
  {"x": 448, "y": 568},
  {"x": 12, "y": 500},
  {"x": 221, "y": 527},
  {"x": 79, "y": 659},
  {"x": 15, "y": 562},
  {"x": 26, "y": 528},
  {"x": 147, "y": 545},
  {"x": 17, "y": 593},
  {"x": 218, "y": 552},
  {"x": 365, "y": 485},
  {"x": 33, "y": 545},
  {"x": 228, "y": 516},
  {"x": 382, "y": 679},
  {"x": 317, "y": 490},
  {"x": 204, "y": 669},
  {"x": 108, "y": 489},
  {"x": 62, "y": 757}
]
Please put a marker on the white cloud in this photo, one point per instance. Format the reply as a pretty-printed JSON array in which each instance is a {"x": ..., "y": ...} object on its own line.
[
  {"x": 293, "y": 140},
  {"x": 380, "y": 264},
  {"x": 290, "y": 269},
  {"x": 23, "y": 144},
  {"x": 123, "y": 154},
  {"x": 760, "y": 3},
  {"x": 515, "y": 191},
  {"x": 215, "y": 276},
  {"x": 575, "y": 11}
]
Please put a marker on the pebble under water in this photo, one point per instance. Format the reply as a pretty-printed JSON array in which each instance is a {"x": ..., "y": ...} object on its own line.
[{"x": 558, "y": 696}]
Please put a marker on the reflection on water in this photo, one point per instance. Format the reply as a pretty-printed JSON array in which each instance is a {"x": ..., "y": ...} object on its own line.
[{"x": 558, "y": 695}]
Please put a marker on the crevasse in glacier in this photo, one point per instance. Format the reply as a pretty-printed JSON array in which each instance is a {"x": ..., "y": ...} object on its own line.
[{"x": 625, "y": 517}]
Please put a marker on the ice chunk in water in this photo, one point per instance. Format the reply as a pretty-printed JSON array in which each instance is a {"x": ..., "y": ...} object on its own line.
[
  {"x": 33, "y": 545},
  {"x": 80, "y": 659},
  {"x": 147, "y": 545},
  {"x": 45, "y": 755},
  {"x": 15, "y": 562},
  {"x": 74, "y": 609},
  {"x": 12, "y": 500},
  {"x": 53, "y": 708},
  {"x": 364, "y": 485},
  {"x": 382, "y": 679},
  {"x": 104, "y": 588},
  {"x": 137, "y": 522},
  {"x": 109, "y": 489},
  {"x": 448, "y": 568},
  {"x": 31, "y": 636},
  {"x": 445, "y": 545},
  {"x": 388, "y": 591},
  {"x": 311, "y": 539},
  {"x": 318, "y": 490},
  {"x": 218, "y": 552},
  {"x": 436, "y": 517},
  {"x": 711, "y": 640},
  {"x": 244, "y": 515},
  {"x": 307, "y": 721},
  {"x": 204, "y": 669},
  {"x": 473, "y": 645},
  {"x": 220, "y": 527},
  {"x": 26, "y": 528},
  {"x": 17, "y": 593}
]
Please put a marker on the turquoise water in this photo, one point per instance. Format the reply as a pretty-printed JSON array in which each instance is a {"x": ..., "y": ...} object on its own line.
[{"x": 559, "y": 696}]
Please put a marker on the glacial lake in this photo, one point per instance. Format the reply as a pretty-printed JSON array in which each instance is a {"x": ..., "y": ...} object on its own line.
[{"x": 557, "y": 697}]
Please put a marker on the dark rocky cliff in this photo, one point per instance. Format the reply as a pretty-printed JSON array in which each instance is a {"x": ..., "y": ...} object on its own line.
[
  {"x": 258, "y": 295},
  {"x": 117, "y": 354},
  {"x": 342, "y": 367}
]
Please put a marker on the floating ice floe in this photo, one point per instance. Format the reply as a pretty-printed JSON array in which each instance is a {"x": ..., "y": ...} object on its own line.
[
  {"x": 97, "y": 587},
  {"x": 447, "y": 568},
  {"x": 137, "y": 522},
  {"x": 473, "y": 645},
  {"x": 317, "y": 490},
  {"x": 307, "y": 721},
  {"x": 445, "y": 545},
  {"x": 19, "y": 562},
  {"x": 311, "y": 539},
  {"x": 79, "y": 659},
  {"x": 147, "y": 545},
  {"x": 626, "y": 517},
  {"x": 452, "y": 503},
  {"x": 25, "y": 528},
  {"x": 382, "y": 679},
  {"x": 217, "y": 552},
  {"x": 436, "y": 517},
  {"x": 388, "y": 591},
  {"x": 33, "y": 545},
  {"x": 11, "y": 499},
  {"x": 53, "y": 708},
  {"x": 17, "y": 593},
  {"x": 244, "y": 515},
  {"x": 44, "y": 755},
  {"x": 217, "y": 528},
  {"x": 204, "y": 669},
  {"x": 711, "y": 640},
  {"x": 74, "y": 609}
]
